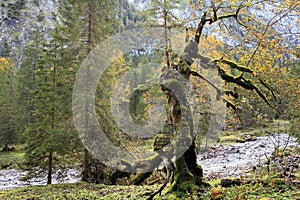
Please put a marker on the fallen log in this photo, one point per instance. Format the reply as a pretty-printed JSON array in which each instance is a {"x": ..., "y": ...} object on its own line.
[{"x": 238, "y": 182}]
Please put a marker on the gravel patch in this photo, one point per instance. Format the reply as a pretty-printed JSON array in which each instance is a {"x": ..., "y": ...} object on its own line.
[{"x": 220, "y": 161}]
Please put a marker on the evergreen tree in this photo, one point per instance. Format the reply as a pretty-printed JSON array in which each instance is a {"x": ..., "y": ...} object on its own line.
[
  {"x": 51, "y": 140},
  {"x": 35, "y": 20},
  {"x": 8, "y": 133},
  {"x": 10, "y": 42},
  {"x": 26, "y": 75},
  {"x": 84, "y": 25}
]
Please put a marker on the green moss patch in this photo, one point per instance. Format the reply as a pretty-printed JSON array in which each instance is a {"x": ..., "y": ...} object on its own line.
[
  {"x": 12, "y": 159},
  {"x": 79, "y": 191}
]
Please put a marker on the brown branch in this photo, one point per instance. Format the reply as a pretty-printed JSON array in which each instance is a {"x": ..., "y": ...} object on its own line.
[
  {"x": 269, "y": 87},
  {"x": 284, "y": 14},
  {"x": 233, "y": 107},
  {"x": 239, "y": 80},
  {"x": 194, "y": 73},
  {"x": 240, "y": 23},
  {"x": 269, "y": 24},
  {"x": 243, "y": 69},
  {"x": 234, "y": 79},
  {"x": 260, "y": 93},
  {"x": 200, "y": 28},
  {"x": 213, "y": 19},
  {"x": 216, "y": 17},
  {"x": 192, "y": 48}
]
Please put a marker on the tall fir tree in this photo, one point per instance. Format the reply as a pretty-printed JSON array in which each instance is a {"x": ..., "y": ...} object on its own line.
[
  {"x": 26, "y": 75},
  {"x": 8, "y": 132},
  {"x": 51, "y": 140},
  {"x": 85, "y": 24}
]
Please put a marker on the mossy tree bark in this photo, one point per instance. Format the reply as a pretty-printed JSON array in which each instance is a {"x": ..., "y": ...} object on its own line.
[{"x": 187, "y": 171}]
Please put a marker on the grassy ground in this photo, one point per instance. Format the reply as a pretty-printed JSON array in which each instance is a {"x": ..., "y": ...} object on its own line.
[
  {"x": 78, "y": 191},
  {"x": 93, "y": 191},
  {"x": 277, "y": 126},
  {"x": 259, "y": 191},
  {"x": 12, "y": 159}
]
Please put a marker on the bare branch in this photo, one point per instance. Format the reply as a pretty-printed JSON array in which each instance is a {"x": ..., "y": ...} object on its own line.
[
  {"x": 200, "y": 28},
  {"x": 269, "y": 24},
  {"x": 233, "y": 107},
  {"x": 170, "y": 173},
  {"x": 194, "y": 73}
]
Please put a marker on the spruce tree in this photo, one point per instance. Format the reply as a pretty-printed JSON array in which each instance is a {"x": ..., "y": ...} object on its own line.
[
  {"x": 8, "y": 133},
  {"x": 51, "y": 140},
  {"x": 84, "y": 24}
]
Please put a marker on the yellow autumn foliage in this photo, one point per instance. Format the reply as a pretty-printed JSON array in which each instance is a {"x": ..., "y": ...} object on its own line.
[{"x": 4, "y": 62}]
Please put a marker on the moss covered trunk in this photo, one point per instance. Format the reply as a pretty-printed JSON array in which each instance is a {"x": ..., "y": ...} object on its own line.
[{"x": 187, "y": 171}]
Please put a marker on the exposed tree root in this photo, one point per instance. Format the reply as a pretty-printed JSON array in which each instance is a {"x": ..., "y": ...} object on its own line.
[
  {"x": 150, "y": 166},
  {"x": 170, "y": 174}
]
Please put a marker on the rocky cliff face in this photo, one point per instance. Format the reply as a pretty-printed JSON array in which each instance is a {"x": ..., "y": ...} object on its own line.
[{"x": 19, "y": 18}]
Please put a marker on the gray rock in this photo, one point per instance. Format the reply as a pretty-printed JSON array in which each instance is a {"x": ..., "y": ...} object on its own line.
[
  {"x": 240, "y": 157},
  {"x": 10, "y": 179}
]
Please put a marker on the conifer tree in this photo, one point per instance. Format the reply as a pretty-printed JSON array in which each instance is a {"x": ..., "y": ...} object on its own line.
[
  {"x": 84, "y": 25},
  {"x": 8, "y": 133},
  {"x": 49, "y": 136},
  {"x": 51, "y": 141}
]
